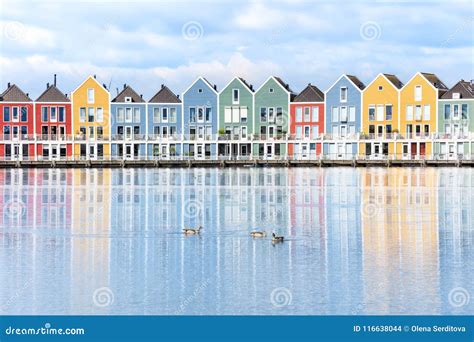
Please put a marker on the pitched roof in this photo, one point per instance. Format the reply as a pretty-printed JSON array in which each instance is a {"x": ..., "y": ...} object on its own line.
[
  {"x": 356, "y": 81},
  {"x": 52, "y": 94},
  {"x": 284, "y": 85},
  {"x": 14, "y": 94},
  {"x": 310, "y": 94},
  {"x": 394, "y": 80},
  {"x": 128, "y": 92},
  {"x": 464, "y": 88},
  {"x": 210, "y": 84},
  {"x": 165, "y": 95},
  {"x": 246, "y": 84}
]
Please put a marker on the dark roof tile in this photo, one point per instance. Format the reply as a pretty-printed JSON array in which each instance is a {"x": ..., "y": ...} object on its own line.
[
  {"x": 465, "y": 90},
  {"x": 14, "y": 94},
  {"x": 356, "y": 81},
  {"x": 165, "y": 95},
  {"x": 394, "y": 80},
  {"x": 52, "y": 94},
  {"x": 310, "y": 94},
  {"x": 128, "y": 92}
]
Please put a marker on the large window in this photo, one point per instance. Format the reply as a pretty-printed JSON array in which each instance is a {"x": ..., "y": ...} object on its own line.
[
  {"x": 418, "y": 112},
  {"x": 44, "y": 114},
  {"x": 380, "y": 112},
  {"x": 100, "y": 115},
  {"x": 192, "y": 114},
  {"x": 371, "y": 113},
  {"x": 299, "y": 114},
  {"x": 120, "y": 115},
  {"x": 426, "y": 112},
  {"x": 128, "y": 115},
  {"x": 352, "y": 113},
  {"x": 343, "y": 117},
  {"x": 409, "y": 112},
  {"x": 315, "y": 114},
  {"x": 91, "y": 114},
  {"x": 307, "y": 114},
  {"x": 200, "y": 117},
  {"x": 15, "y": 116},
  {"x": 343, "y": 94},
  {"x": 418, "y": 93},
  {"x": 54, "y": 114},
  {"x": 156, "y": 115},
  {"x": 208, "y": 114},
  {"x": 335, "y": 114},
  {"x": 90, "y": 95},
  {"x": 235, "y": 96},
  {"x": 172, "y": 117},
  {"x": 279, "y": 115},
  {"x": 464, "y": 111},
  {"x": 447, "y": 111},
  {"x": 62, "y": 114},
  {"x": 24, "y": 114},
  {"x": 263, "y": 114},
  {"x": 82, "y": 114},
  {"x": 388, "y": 112},
  {"x": 6, "y": 114},
  {"x": 136, "y": 114},
  {"x": 164, "y": 115}
]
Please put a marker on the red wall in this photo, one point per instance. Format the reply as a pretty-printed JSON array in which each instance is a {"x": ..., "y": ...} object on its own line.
[
  {"x": 39, "y": 123},
  {"x": 293, "y": 122},
  {"x": 29, "y": 123}
]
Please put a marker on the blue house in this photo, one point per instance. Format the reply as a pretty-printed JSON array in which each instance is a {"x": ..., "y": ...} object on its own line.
[
  {"x": 165, "y": 123},
  {"x": 343, "y": 117},
  {"x": 200, "y": 123},
  {"x": 128, "y": 125}
]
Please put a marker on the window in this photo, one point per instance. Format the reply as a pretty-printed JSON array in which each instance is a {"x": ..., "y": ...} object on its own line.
[
  {"x": 120, "y": 115},
  {"x": 172, "y": 117},
  {"x": 208, "y": 114},
  {"x": 62, "y": 114},
  {"x": 352, "y": 113},
  {"x": 315, "y": 114},
  {"x": 228, "y": 114},
  {"x": 128, "y": 115},
  {"x": 6, "y": 114},
  {"x": 380, "y": 112},
  {"x": 44, "y": 114},
  {"x": 456, "y": 111},
  {"x": 299, "y": 132},
  {"x": 235, "y": 96},
  {"x": 243, "y": 114},
  {"x": 200, "y": 90},
  {"x": 388, "y": 129},
  {"x": 235, "y": 115},
  {"x": 299, "y": 114},
  {"x": 136, "y": 114},
  {"x": 418, "y": 112},
  {"x": 335, "y": 114},
  {"x": 263, "y": 114},
  {"x": 464, "y": 111},
  {"x": 315, "y": 132},
  {"x": 371, "y": 113},
  {"x": 90, "y": 95},
  {"x": 24, "y": 114},
  {"x": 380, "y": 88},
  {"x": 409, "y": 112},
  {"x": 192, "y": 114},
  {"x": 54, "y": 116},
  {"x": 270, "y": 90},
  {"x": 343, "y": 94},
  {"x": 447, "y": 111},
  {"x": 200, "y": 117},
  {"x": 343, "y": 117},
  {"x": 164, "y": 115},
  {"x": 426, "y": 112},
  {"x": 418, "y": 93},
  {"x": 307, "y": 114},
  {"x": 388, "y": 112},
  {"x": 306, "y": 131},
  {"x": 279, "y": 115},
  {"x": 244, "y": 132},
  {"x": 15, "y": 117},
  {"x": 100, "y": 115},
  {"x": 6, "y": 131},
  {"x": 82, "y": 114},
  {"x": 99, "y": 131},
  {"x": 91, "y": 132},
  {"x": 91, "y": 114}
]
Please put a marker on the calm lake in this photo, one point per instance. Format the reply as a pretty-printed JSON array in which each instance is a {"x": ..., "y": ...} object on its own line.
[{"x": 357, "y": 241}]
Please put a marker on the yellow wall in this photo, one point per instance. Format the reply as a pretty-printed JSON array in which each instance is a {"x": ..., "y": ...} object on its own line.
[
  {"x": 101, "y": 100},
  {"x": 429, "y": 97}
]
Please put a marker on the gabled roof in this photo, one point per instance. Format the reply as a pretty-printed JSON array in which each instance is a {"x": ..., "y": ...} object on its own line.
[
  {"x": 95, "y": 80},
  {"x": 282, "y": 84},
  {"x": 241, "y": 80},
  {"x": 206, "y": 82},
  {"x": 310, "y": 94},
  {"x": 128, "y": 92},
  {"x": 358, "y": 83},
  {"x": 165, "y": 95},
  {"x": 435, "y": 81},
  {"x": 14, "y": 94},
  {"x": 464, "y": 88},
  {"x": 394, "y": 80},
  {"x": 52, "y": 94}
]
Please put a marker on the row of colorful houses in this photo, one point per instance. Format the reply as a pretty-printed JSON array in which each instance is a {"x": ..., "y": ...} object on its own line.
[{"x": 420, "y": 119}]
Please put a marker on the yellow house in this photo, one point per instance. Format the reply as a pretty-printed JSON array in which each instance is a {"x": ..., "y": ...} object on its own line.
[
  {"x": 418, "y": 114},
  {"x": 91, "y": 120},
  {"x": 380, "y": 116}
]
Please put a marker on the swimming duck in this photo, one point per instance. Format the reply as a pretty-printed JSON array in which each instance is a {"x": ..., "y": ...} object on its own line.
[
  {"x": 276, "y": 238},
  {"x": 258, "y": 234},
  {"x": 192, "y": 231}
]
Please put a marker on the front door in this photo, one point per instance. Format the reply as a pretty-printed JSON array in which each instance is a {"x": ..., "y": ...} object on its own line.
[
  {"x": 304, "y": 151},
  {"x": 54, "y": 152},
  {"x": 340, "y": 151},
  {"x": 199, "y": 152},
  {"x": 413, "y": 150},
  {"x": 269, "y": 151},
  {"x": 422, "y": 150},
  {"x": 164, "y": 151},
  {"x": 92, "y": 152},
  {"x": 128, "y": 151},
  {"x": 128, "y": 133}
]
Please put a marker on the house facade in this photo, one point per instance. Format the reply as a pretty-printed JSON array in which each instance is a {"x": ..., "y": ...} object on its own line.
[
  {"x": 53, "y": 121},
  {"x": 418, "y": 115},
  {"x": 165, "y": 124},
  {"x": 456, "y": 122},
  {"x": 306, "y": 123},
  {"x": 272, "y": 105},
  {"x": 236, "y": 124},
  {"x": 380, "y": 116},
  {"x": 91, "y": 120},
  {"x": 200, "y": 119},
  {"x": 343, "y": 117},
  {"x": 16, "y": 125},
  {"x": 128, "y": 125}
]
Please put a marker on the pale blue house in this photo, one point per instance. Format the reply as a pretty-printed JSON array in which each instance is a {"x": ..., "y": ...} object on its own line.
[
  {"x": 343, "y": 117},
  {"x": 165, "y": 123},
  {"x": 200, "y": 119},
  {"x": 128, "y": 125}
]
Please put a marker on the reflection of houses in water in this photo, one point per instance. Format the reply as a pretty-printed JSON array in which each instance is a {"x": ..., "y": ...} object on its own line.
[
  {"x": 399, "y": 225},
  {"x": 456, "y": 230}
]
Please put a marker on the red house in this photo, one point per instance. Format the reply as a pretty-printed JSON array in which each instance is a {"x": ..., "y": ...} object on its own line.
[
  {"x": 16, "y": 125},
  {"x": 306, "y": 123},
  {"x": 53, "y": 124}
]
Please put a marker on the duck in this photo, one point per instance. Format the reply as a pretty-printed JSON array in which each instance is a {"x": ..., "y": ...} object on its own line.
[
  {"x": 258, "y": 234},
  {"x": 276, "y": 238},
  {"x": 192, "y": 231}
]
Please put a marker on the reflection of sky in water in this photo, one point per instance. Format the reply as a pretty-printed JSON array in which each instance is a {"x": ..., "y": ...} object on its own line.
[{"x": 359, "y": 241}]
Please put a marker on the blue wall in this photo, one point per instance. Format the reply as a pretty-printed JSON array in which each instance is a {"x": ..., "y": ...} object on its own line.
[{"x": 354, "y": 96}]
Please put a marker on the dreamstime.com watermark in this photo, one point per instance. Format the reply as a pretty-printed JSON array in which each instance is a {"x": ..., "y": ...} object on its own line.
[{"x": 46, "y": 330}]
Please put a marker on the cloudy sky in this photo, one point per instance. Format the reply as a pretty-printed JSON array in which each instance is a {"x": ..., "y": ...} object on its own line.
[{"x": 145, "y": 43}]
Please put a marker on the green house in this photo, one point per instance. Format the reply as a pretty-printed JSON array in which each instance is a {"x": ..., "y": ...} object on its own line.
[
  {"x": 272, "y": 109},
  {"x": 456, "y": 122},
  {"x": 236, "y": 123}
]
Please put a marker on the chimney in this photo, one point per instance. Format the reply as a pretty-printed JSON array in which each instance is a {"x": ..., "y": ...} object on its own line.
[
  {"x": 215, "y": 87},
  {"x": 472, "y": 83},
  {"x": 8, "y": 85},
  {"x": 124, "y": 85},
  {"x": 55, "y": 80},
  {"x": 251, "y": 87},
  {"x": 27, "y": 94},
  {"x": 47, "y": 85},
  {"x": 141, "y": 95},
  {"x": 177, "y": 96},
  {"x": 103, "y": 84},
  {"x": 117, "y": 90},
  {"x": 95, "y": 76},
  {"x": 309, "y": 84},
  {"x": 162, "y": 86}
]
